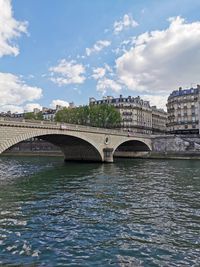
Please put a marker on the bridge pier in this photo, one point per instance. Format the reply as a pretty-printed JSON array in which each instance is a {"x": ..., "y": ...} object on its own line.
[{"x": 108, "y": 154}]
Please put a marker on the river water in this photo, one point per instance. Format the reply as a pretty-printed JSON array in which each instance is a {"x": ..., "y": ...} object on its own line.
[{"x": 130, "y": 213}]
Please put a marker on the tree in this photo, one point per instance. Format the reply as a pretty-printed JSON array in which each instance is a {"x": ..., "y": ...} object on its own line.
[
  {"x": 63, "y": 115},
  {"x": 33, "y": 116},
  {"x": 105, "y": 116}
]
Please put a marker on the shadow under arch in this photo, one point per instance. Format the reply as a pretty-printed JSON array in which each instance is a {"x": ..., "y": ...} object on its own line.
[
  {"x": 73, "y": 148},
  {"x": 132, "y": 149}
]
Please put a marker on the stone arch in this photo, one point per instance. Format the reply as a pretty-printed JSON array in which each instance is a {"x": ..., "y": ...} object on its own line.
[
  {"x": 132, "y": 148},
  {"x": 82, "y": 145}
]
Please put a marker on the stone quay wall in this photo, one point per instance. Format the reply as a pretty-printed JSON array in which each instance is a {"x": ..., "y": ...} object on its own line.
[{"x": 175, "y": 146}]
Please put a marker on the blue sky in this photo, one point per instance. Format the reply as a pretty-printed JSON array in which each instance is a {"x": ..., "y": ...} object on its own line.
[{"x": 69, "y": 50}]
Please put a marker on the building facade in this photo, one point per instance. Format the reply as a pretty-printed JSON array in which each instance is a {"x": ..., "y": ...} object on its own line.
[
  {"x": 48, "y": 114},
  {"x": 137, "y": 114},
  {"x": 183, "y": 111},
  {"x": 159, "y": 120}
]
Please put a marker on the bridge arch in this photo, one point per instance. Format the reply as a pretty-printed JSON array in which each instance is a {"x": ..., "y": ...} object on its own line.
[
  {"x": 132, "y": 148},
  {"x": 73, "y": 147}
]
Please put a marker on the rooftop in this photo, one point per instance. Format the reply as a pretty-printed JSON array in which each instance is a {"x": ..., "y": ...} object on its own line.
[
  {"x": 120, "y": 99},
  {"x": 182, "y": 92}
]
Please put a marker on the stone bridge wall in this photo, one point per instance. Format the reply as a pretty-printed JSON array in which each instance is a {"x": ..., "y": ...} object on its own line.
[
  {"x": 175, "y": 146},
  {"x": 102, "y": 142},
  {"x": 94, "y": 143}
]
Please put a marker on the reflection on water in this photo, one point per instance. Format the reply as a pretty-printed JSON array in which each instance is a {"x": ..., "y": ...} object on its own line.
[{"x": 130, "y": 213}]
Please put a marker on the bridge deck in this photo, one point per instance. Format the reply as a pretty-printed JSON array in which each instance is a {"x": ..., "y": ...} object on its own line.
[{"x": 65, "y": 127}]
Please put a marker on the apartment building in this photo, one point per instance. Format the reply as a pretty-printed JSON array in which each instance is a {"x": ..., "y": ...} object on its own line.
[
  {"x": 159, "y": 120},
  {"x": 137, "y": 114},
  {"x": 183, "y": 111}
]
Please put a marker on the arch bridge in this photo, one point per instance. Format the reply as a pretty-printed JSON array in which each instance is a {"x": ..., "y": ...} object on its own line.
[{"x": 78, "y": 143}]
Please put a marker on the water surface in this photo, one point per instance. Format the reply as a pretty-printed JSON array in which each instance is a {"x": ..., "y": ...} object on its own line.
[{"x": 130, "y": 213}]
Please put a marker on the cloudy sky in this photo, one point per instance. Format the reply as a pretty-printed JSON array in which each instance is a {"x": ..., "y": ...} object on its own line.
[{"x": 59, "y": 51}]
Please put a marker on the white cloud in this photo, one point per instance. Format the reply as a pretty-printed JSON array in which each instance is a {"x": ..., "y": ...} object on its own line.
[
  {"x": 12, "y": 108},
  {"x": 98, "y": 73},
  {"x": 124, "y": 46},
  {"x": 14, "y": 91},
  {"x": 58, "y": 102},
  {"x": 67, "y": 72},
  {"x": 104, "y": 76},
  {"x": 108, "y": 68},
  {"x": 31, "y": 106},
  {"x": 156, "y": 100},
  {"x": 161, "y": 61},
  {"x": 125, "y": 23},
  {"x": 107, "y": 84},
  {"x": 10, "y": 29},
  {"x": 98, "y": 46},
  {"x": 130, "y": 41}
]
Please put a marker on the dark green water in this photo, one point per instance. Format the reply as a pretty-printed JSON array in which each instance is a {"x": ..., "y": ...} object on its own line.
[{"x": 130, "y": 213}]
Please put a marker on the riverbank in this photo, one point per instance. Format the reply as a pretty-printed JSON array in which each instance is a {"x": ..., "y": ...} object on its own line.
[
  {"x": 145, "y": 155},
  {"x": 173, "y": 155},
  {"x": 159, "y": 155}
]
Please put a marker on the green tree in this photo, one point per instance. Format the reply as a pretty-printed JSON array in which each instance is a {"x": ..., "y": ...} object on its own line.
[
  {"x": 105, "y": 116},
  {"x": 33, "y": 116},
  {"x": 79, "y": 115},
  {"x": 65, "y": 115}
]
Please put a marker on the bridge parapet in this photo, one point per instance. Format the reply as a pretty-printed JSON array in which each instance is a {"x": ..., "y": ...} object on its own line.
[{"x": 64, "y": 126}]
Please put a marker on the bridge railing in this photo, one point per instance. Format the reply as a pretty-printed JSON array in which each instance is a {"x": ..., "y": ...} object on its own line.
[{"x": 20, "y": 122}]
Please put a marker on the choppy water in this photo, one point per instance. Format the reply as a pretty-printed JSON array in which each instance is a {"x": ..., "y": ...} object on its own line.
[{"x": 130, "y": 213}]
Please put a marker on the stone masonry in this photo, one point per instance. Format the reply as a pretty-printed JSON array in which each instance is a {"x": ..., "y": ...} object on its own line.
[{"x": 76, "y": 142}]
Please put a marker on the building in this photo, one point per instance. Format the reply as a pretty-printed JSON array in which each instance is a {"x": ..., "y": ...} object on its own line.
[
  {"x": 183, "y": 111},
  {"x": 159, "y": 120},
  {"x": 72, "y": 105},
  {"x": 137, "y": 114},
  {"x": 9, "y": 114},
  {"x": 49, "y": 114},
  {"x": 36, "y": 110}
]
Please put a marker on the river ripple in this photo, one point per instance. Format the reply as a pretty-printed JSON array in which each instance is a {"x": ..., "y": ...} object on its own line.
[{"x": 130, "y": 213}]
